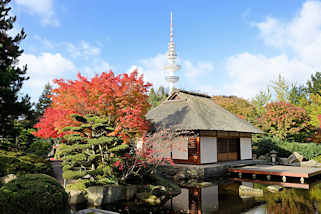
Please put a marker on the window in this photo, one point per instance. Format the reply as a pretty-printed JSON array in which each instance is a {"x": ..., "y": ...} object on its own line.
[{"x": 192, "y": 146}]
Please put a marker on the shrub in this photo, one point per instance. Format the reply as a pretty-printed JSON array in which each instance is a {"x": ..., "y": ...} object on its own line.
[
  {"x": 33, "y": 194},
  {"x": 264, "y": 145},
  {"x": 285, "y": 121},
  {"x": 20, "y": 164}
]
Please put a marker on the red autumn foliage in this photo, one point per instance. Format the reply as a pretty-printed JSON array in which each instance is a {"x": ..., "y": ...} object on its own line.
[
  {"x": 284, "y": 120},
  {"x": 123, "y": 98}
]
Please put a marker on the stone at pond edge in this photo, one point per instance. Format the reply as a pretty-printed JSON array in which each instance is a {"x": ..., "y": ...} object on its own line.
[
  {"x": 250, "y": 192},
  {"x": 295, "y": 157},
  {"x": 99, "y": 195},
  {"x": 95, "y": 195},
  {"x": 274, "y": 188},
  {"x": 76, "y": 197},
  {"x": 117, "y": 193},
  {"x": 6, "y": 179}
]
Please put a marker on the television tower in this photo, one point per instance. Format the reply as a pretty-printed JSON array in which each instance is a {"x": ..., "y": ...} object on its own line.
[{"x": 171, "y": 67}]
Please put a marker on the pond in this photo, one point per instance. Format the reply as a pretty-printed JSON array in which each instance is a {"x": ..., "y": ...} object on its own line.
[{"x": 224, "y": 198}]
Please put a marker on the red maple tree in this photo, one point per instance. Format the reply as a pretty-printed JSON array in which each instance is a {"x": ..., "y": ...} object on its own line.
[{"x": 122, "y": 98}]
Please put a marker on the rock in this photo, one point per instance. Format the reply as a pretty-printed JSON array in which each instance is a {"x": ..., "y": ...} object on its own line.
[
  {"x": 180, "y": 176},
  {"x": 192, "y": 173},
  {"x": 100, "y": 195},
  {"x": 149, "y": 198},
  {"x": 310, "y": 163},
  {"x": 8, "y": 178},
  {"x": 76, "y": 197},
  {"x": 245, "y": 191},
  {"x": 262, "y": 157},
  {"x": 95, "y": 211},
  {"x": 284, "y": 161},
  {"x": 295, "y": 157},
  {"x": 95, "y": 195},
  {"x": 114, "y": 193},
  {"x": 274, "y": 188}
]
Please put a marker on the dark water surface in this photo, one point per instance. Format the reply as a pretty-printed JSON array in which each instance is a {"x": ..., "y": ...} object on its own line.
[{"x": 224, "y": 198}]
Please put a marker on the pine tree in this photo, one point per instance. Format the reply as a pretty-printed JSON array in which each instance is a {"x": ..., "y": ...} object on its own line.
[
  {"x": 44, "y": 100},
  {"x": 11, "y": 76},
  {"x": 91, "y": 149}
]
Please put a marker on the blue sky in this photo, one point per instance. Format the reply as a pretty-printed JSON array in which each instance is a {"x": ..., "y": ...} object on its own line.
[{"x": 224, "y": 47}]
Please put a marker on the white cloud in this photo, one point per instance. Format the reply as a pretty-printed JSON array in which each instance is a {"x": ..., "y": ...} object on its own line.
[
  {"x": 152, "y": 69},
  {"x": 193, "y": 70},
  {"x": 43, "y": 69},
  {"x": 190, "y": 74},
  {"x": 97, "y": 68},
  {"x": 43, "y": 8},
  {"x": 251, "y": 73},
  {"x": 299, "y": 40},
  {"x": 84, "y": 50}
]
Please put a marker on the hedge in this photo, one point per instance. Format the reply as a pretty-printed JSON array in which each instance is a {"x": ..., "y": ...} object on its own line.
[
  {"x": 262, "y": 146},
  {"x": 34, "y": 194}
]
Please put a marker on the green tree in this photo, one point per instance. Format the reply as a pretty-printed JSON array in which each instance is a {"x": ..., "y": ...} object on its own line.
[
  {"x": 92, "y": 149},
  {"x": 238, "y": 106},
  {"x": 156, "y": 98},
  {"x": 261, "y": 100},
  {"x": 314, "y": 108},
  {"x": 314, "y": 85},
  {"x": 298, "y": 95},
  {"x": 44, "y": 100},
  {"x": 12, "y": 77},
  {"x": 281, "y": 88}
]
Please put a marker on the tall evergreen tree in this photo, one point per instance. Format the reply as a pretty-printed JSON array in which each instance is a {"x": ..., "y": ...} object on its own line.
[
  {"x": 12, "y": 106},
  {"x": 314, "y": 85},
  {"x": 44, "y": 100},
  {"x": 156, "y": 98}
]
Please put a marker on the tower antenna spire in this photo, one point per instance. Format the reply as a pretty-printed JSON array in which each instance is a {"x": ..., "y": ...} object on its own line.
[
  {"x": 171, "y": 67},
  {"x": 172, "y": 34}
]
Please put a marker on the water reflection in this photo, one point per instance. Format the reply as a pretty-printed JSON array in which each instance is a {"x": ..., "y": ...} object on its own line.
[{"x": 224, "y": 198}]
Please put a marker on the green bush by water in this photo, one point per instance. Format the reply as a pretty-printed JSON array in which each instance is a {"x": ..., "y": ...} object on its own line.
[
  {"x": 262, "y": 146},
  {"x": 34, "y": 194},
  {"x": 20, "y": 163}
]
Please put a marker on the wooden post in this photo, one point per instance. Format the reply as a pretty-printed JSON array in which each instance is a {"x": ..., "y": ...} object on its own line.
[{"x": 198, "y": 150}]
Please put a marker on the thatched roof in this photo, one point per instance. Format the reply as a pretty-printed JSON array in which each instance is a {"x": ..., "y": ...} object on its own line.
[{"x": 185, "y": 110}]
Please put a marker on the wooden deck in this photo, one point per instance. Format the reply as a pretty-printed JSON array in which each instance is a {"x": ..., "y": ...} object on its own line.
[{"x": 279, "y": 170}]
